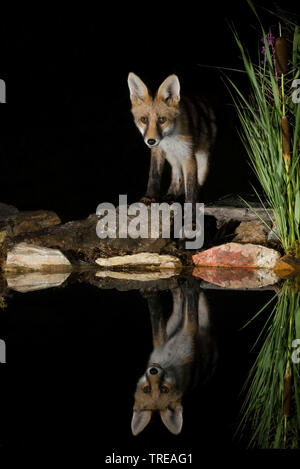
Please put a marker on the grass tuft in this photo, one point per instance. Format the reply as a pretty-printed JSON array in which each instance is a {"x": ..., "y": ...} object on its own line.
[{"x": 270, "y": 125}]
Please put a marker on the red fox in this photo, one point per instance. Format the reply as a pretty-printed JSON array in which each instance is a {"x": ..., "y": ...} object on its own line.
[
  {"x": 177, "y": 129},
  {"x": 183, "y": 349}
]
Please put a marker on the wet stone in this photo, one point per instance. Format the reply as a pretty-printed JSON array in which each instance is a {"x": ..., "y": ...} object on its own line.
[
  {"x": 79, "y": 241},
  {"x": 7, "y": 211},
  {"x": 33, "y": 281},
  {"x": 28, "y": 221},
  {"x": 238, "y": 255},
  {"x": 28, "y": 256},
  {"x": 253, "y": 231},
  {"x": 288, "y": 263},
  {"x": 236, "y": 279},
  {"x": 142, "y": 259}
]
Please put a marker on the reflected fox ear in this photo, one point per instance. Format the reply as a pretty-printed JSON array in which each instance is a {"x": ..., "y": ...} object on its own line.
[
  {"x": 169, "y": 90},
  {"x": 138, "y": 89},
  {"x": 140, "y": 420},
  {"x": 172, "y": 418}
]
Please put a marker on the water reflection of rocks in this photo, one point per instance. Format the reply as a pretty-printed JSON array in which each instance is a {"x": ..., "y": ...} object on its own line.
[
  {"x": 209, "y": 277},
  {"x": 184, "y": 350}
]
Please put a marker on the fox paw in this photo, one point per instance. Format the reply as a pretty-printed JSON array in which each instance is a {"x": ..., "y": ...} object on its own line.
[
  {"x": 148, "y": 292},
  {"x": 148, "y": 200},
  {"x": 169, "y": 198}
]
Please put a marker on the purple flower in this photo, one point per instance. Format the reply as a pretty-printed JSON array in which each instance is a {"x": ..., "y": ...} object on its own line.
[{"x": 270, "y": 39}]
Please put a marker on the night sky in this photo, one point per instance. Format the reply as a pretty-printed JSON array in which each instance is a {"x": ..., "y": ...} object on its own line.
[{"x": 68, "y": 141}]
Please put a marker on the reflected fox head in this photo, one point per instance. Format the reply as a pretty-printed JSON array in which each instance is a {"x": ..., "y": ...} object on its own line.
[
  {"x": 156, "y": 391},
  {"x": 155, "y": 117}
]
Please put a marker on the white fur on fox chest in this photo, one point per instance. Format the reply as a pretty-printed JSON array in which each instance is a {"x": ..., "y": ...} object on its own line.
[
  {"x": 176, "y": 150},
  {"x": 178, "y": 349}
]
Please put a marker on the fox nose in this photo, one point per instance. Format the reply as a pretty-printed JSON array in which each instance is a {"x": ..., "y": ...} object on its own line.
[
  {"x": 154, "y": 369},
  {"x": 151, "y": 141}
]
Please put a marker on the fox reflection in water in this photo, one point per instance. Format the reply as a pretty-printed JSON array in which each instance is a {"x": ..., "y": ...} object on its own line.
[{"x": 184, "y": 352}]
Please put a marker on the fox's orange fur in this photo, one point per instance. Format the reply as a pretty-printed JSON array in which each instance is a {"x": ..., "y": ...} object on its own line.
[{"x": 177, "y": 129}]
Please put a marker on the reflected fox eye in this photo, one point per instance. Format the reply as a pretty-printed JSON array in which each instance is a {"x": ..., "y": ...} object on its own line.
[
  {"x": 162, "y": 120},
  {"x": 144, "y": 119},
  {"x": 164, "y": 389},
  {"x": 146, "y": 389}
]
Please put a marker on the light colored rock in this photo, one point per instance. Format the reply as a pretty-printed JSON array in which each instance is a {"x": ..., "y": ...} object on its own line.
[
  {"x": 141, "y": 259},
  {"x": 29, "y": 256},
  {"x": 238, "y": 255},
  {"x": 135, "y": 276},
  {"x": 32, "y": 281},
  {"x": 225, "y": 213}
]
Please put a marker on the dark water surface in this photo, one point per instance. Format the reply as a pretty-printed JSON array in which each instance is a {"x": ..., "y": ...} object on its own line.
[{"x": 75, "y": 353}]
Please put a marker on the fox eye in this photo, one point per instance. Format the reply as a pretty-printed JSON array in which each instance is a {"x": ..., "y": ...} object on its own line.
[
  {"x": 162, "y": 120},
  {"x": 146, "y": 389},
  {"x": 144, "y": 119},
  {"x": 164, "y": 389}
]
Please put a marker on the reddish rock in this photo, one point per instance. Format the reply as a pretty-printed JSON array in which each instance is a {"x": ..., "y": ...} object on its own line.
[
  {"x": 238, "y": 255},
  {"x": 239, "y": 279}
]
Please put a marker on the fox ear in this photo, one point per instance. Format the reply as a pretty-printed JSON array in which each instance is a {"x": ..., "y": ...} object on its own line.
[
  {"x": 140, "y": 420},
  {"x": 169, "y": 90},
  {"x": 138, "y": 89},
  {"x": 172, "y": 418}
]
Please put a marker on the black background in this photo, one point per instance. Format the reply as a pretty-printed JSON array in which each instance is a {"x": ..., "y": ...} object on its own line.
[
  {"x": 68, "y": 141},
  {"x": 73, "y": 360}
]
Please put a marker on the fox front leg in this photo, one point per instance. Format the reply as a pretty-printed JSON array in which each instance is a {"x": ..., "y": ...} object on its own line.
[
  {"x": 191, "y": 295},
  {"x": 176, "y": 188},
  {"x": 175, "y": 320},
  {"x": 158, "y": 320},
  {"x": 155, "y": 174},
  {"x": 189, "y": 169}
]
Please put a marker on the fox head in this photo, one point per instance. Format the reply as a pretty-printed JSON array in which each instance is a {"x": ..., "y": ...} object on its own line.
[
  {"x": 156, "y": 391},
  {"x": 155, "y": 117}
]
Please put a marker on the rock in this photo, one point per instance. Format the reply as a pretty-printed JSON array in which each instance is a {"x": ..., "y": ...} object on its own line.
[
  {"x": 287, "y": 264},
  {"x": 253, "y": 231},
  {"x": 3, "y": 290},
  {"x": 237, "y": 279},
  {"x": 30, "y": 257},
  {"x": 32, "y": 281},
  {"x": 238, "y": 255},
  {"x": 153, "y": 260},
  {"x": 136, "y": 276},
  {"x": 273, "y": 234},
  {"x": 2, "y": 236},
  {"x": 78, "y": 240},
  {"x": 230, "y": 213},
  {"x": 233, "y": 208},
  {"x": 28, "y": 221},
  {"x": 130, "y": 279},
  {"x": 7, "y": 211}
]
